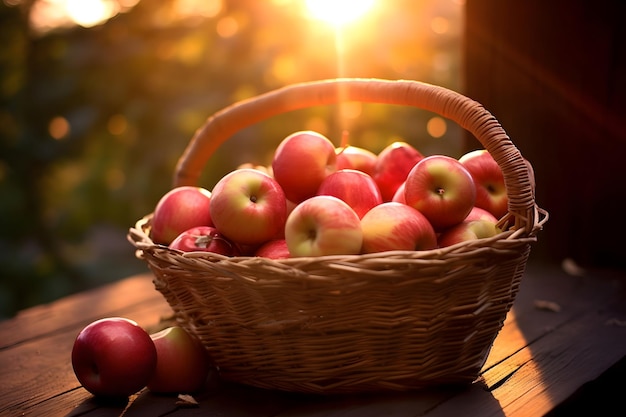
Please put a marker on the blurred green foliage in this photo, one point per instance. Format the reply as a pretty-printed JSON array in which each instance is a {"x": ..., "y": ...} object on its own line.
[{"x": 92, "y": 121}]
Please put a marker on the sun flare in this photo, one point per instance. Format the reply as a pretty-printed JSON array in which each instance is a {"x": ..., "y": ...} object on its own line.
[{"x": 338, "y": 12}]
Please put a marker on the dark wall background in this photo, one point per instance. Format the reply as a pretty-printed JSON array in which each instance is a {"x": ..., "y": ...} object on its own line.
[{"x": 554, "y": 75}]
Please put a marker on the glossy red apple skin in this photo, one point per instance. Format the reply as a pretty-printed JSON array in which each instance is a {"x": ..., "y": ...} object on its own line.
[
  {"x": 442, "y": 189},
  {"x": 323, "y": 225},
  {"x": 396, "y": 226},
  {"x": 354, "y": 187},
  {"x": 354, "y": 157},
  {"x": 301, "y": 162},
  {"x": 204, "y": 239},
  {"x": 468, "y": 230},
  {"x": 490, "y": 188},
  {"x": 274, "y": 249},
  {"x": 113, "y": 357},
  {"x": 248, "y": 207},
  {"x": 178, "y": 210},
  {"x": 398, "y": 197},
  {"x": 478, "y": 213},
  {"x": 183, "y": 364},
  {"x": 393, "y": 165}
]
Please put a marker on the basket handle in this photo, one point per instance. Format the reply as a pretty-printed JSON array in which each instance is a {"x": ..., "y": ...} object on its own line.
[{"x": 464, "y": 111}]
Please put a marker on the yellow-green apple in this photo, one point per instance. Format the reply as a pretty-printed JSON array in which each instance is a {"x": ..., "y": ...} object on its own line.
[
  {"x": 113, "y": 357},
  {"x": 204, "y": 239},
  {"x": 248, "y": 207},
  {"x": 478, "y": 213},
  {"x": 468, "y": 230},
  {"x": 392, "y": 166},
  {"x": 273, "y": 249},
  {"x": 396, "y": 226},
  {"x": 354, "y": 187},
  {"x": 180, "y": 209},
  {"x": 442, "y": 189},
  {"x": 490, "y": 189},
  {"x": 183, "y": 364},
  {"x": 354, "y": 157},
  {"x": 300, "y": 163},
  {"x": 323, "y": 225}
]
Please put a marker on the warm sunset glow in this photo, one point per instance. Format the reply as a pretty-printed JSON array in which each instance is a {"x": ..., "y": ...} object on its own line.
[
  {"x": 88, "y": 13},
  {"x": 338, "y": 12}
]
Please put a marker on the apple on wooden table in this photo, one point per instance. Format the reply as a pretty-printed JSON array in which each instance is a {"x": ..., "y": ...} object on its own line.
[
  {"x": 442, "y": 189},
  {"x": 183, "y": 364},
  {"x": 113, "y": 357}
]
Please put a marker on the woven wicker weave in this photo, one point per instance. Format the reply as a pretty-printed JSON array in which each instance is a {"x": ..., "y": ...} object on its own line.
[{"x": 385, "y": 321}]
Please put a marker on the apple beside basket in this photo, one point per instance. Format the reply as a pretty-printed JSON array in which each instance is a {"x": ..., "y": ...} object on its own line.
[{"x": 388, "y": 321}]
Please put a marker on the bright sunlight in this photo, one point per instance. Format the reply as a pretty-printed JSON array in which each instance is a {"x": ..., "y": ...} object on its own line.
[{"x": 338, "y": 12}]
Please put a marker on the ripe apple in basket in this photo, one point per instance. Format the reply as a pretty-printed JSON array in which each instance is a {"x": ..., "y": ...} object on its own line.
[
  {"x": 248, "y": 207},
  {"x": 178, "y": 210},
  {"x": 392, "y": 166},
  {"x": 490, "y": 189},
  {"x": 478, "y": 213},
  {"x": 205, "y": 239},
  {"x": 396, "y": 226},
  {"x": 301, "y": 162},
  {"x": 354, "y": 187},
  {"x": 354, "y": 157},
  {"x": 398, "y": 197},
  {"x": 183, "y": 364},
  {"x": 113, "y": 357},
  {"x": 442, "y": 189},
  {"x": 323, "y": 225},
  {"x": 468, "y": 230},
  {"x": 273, "y": 249}
]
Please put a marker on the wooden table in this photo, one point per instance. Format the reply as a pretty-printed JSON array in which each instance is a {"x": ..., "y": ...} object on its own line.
[{"x": 563, "y": 332}]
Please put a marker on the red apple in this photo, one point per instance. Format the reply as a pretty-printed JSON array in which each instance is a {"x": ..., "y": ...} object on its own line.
[
  {"x": 490, "y": 189},
  {"x": 183, "y": 364},
  {"x": 113, "y": 357},
  {"x": 178, "y": 210},
  {"x": 441, "y": 189},
  {"x": 248, "y": 207},
  {"x": 273, "y": 249},
  {"x": 206, "y": 239},
  {"x": 354, "y": 157},
  {"x": 354, "y": 187},
  {"x": 396, "y": 226},
  {"x": 468, "y": 230},
  {"x": 392, "y": 166},
  {"x": 323, "y": 225},
  {"x": 398, "y": 197},
  {"x": 477, "y": 213},
  {"x": 301, "y": 162}
]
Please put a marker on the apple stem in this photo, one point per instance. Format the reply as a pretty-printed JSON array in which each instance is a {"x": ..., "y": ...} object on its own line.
[{"x": 344, "y": 139}]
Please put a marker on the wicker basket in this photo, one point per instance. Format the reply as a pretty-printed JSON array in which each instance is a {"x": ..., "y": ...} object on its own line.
[{"x": 335, "y": 324}]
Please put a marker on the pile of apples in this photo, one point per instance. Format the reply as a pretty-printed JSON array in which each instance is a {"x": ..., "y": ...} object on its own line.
[
  {"x": 114, "y": 357},
  {"x": 317, "y": 199}
]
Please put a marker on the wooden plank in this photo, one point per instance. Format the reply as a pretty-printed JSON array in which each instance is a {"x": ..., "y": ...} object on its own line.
[
  {"x": 79, "y": 309},
  {"x": 38, "y": 369},
  {"x": 537, "y": 378}
]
